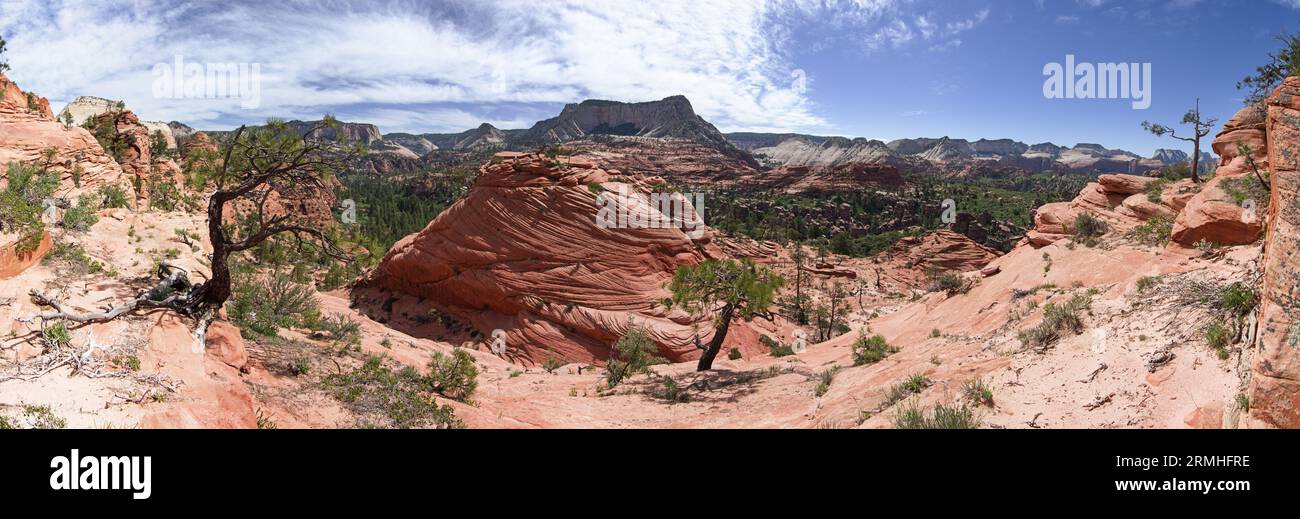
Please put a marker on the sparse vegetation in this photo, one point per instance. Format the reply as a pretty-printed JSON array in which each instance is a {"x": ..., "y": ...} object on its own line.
[
  {"x": 1156, "y": 231},
  {"x": 400, "y": 399},
  {"x": 1056, "y": 319},
  {"x": 912, "y": 416},
  {"x": 824, "y": 380},
  {"x": 978, "y": 392}
]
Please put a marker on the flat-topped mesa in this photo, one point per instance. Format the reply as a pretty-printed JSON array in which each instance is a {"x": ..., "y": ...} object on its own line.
[
  {"x": 523, "y": 252},
  {"x": 671, "y": 117}
]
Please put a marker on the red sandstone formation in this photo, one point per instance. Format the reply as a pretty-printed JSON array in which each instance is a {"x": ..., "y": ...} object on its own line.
[
  {"x": 522, "y": 252},
  {"x": 26, "y": 134}
]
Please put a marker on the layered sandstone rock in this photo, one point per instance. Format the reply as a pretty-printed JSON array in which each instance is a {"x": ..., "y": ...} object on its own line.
[
  {"x": 522, "y": 252},
  {"x": 1275, "y": 393},
  {"x": 914, "y": 258},
  {"x": 1120, "y": 201},
  {"x": 27, "y": 134}
]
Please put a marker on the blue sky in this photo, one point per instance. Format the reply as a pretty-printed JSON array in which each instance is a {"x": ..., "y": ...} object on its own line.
[{"x": 872, "y": 68}]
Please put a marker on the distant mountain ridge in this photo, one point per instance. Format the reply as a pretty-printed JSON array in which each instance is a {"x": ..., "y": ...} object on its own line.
[{"x": 787, "y": 149}]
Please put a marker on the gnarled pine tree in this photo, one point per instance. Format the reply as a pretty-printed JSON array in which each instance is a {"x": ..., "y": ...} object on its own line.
[
  {"x": 253, "y": 164},
  {"x": 731, "y": 288}
]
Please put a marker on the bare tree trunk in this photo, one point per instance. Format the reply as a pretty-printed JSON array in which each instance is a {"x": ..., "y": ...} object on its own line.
[
  {"x": 217, "y": 290},
  {"x": 715, "y": 345},
  {"x": 1196, "y": 160}
]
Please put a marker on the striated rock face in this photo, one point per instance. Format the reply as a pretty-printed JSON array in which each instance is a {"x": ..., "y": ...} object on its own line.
[
  {"x": 943, "y": 250},
  {"x": 522, "y": 253},
  {"x": 26, "y": 134},
  {"x": 1275, "y": 392}
]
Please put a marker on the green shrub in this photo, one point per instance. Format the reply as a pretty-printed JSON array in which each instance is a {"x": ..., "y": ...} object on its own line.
[
  {"x": 951, "y": 282},
  {"x": 57, "y": 335},
  {"x": 1218, "y": 336},
  {"x": 734, "y": 354},
  {"x": 633, "y": 353},
  {"x": 112, "y": 197},
  {"x": 298, "y": 366},
  {"x": 1146, "y": 282},
  {"x": 552, "y": 364},
  {"x": 871, "y": 350},
  {"x": 22, "y": 202},
  {"x": 1238, "y": 299},
  {"x": 454, "y": 376},
  {"x": 43, "y": 417},
  {"x": 914, "y": 384},
  {"x": 1087, "y": 228},
  {"x": 82, "y": 216},
  {"x": 667, "y": 389},
  {"x": 262, "y": 305}
]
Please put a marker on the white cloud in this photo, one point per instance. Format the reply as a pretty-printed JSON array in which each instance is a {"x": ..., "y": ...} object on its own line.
[{"x": 410, "y": 64}]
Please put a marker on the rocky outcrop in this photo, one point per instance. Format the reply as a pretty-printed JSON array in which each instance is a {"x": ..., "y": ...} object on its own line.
[
  {"x": 950, "y": 153},
  {"x": 85, "y": 108},
  {"x": 26, "y": 134},
  {"x": 522, "y": 253},
  {"x": 1120, "y": 201},
  {"x": 197, "y": 142},
  {"x": 1275, "y": 391},
  {"x": 1218, "y": 214}
]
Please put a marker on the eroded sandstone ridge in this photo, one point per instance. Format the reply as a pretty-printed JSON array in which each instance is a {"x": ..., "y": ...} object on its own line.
[{"x": 522, "y": 253}]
